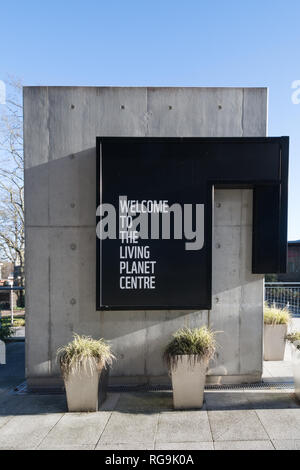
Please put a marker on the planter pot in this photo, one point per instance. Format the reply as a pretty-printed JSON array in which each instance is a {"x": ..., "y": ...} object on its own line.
[
  {"x": 188, "y": 381},
  {"x": 296, "y": 367},
  {"x": 274, "y": 342},
  {"x": 82, "y": 389},
  {"x": 103, "y": 385}
]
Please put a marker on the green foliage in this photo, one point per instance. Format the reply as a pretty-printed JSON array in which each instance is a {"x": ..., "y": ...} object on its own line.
[
  {"x": 294, "y": 336},
  {"x": 6, "y": 331},
  {"x": 197, "y": 342},
  {"x": 276, "y": 316},
  {"x": 19, "y": 321},
  {"x": 84, "y": 352},
  {"x": 271, "y": 277}
]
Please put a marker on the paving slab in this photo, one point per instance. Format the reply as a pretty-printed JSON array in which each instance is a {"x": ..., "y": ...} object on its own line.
[
  {"x": 244, "y": 445},
  {"x": 10, "y": 404},
  {"x": 226, "y": 401},
  {"x": 272, "y": 400},
  {"x": 157, "y": 401},
  {"x": 266, "y": 372},
  {"x": 13, "y": 372},
  {"x": 78, "y": 429},
  {"x": 286, "y": 444},
  {"x": 236, "y": 425},
  {"x": 15, "y": 361},
  {"x": 183, "y": 426},
  {"x": 282, "y": 423},
  {"x": 9, "y": 383},
  {"x": 110, "y": 403},
  {"x": 14, "y": 405},
  {"x": 4, "y": 420},
  {"x": 41, "y": 404},
  {"x": 129, "y": 428},
  {"x": 185, "y": 446},
  {"x": 27, "y": 431}
]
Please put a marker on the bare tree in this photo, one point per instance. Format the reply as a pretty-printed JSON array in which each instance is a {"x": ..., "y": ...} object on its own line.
[{"x": 12, "y": 178}]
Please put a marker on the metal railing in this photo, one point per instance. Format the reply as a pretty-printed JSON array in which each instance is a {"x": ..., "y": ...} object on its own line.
[
  {"x": 10, "y": 289},
  {"x": 284, "y": 294}
]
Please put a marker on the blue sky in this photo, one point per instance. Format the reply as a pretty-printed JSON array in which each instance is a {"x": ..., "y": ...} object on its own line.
[{"x": 159, "y": 43}]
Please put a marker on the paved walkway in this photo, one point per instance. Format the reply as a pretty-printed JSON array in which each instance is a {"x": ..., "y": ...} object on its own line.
[
  {"x": 235, "y": 419},
  {"x": 279, "y": 371}
]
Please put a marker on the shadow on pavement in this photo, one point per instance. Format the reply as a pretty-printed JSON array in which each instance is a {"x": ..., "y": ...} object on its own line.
[{"x": 14, "y": 403}]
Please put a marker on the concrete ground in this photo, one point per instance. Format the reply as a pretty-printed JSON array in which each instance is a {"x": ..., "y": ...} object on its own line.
[
  {"x": 281, "y": 371},
  {"x": 230, "y": 419}
]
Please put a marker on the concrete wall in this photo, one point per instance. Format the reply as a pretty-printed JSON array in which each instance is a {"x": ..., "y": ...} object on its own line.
[{"x": 60, "y": 127}]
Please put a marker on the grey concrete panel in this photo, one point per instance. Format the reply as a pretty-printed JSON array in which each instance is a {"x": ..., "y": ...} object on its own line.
[
  {"x": 61, "y": 124},
  {"x": 72, "y": 181},
  {"x": 255, "y": 115},
  {"x": 233, "y": 379},
  {"x": 127, "y": 333},
  {"x": 72, "y": 295},
  {"x": 251, "y": 309},
  {"x": 36, "y": 131},
  {"x": 37, "y": 198},
  {"x": 38, "y": 334},
  {"x": 233, "y": 207},
  {"x": 236, "y": 290},
  {"x": 226, "y": 288},
  {"x": 195, "y": 112},
  {"x": 78, "y": 114}
]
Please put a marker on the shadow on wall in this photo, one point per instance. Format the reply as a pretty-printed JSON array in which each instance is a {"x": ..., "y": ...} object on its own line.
[{"x": 61, "y": 282}]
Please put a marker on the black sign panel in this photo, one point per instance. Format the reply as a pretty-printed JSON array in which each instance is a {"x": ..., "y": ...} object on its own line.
[{"x": 154, "y": 215}]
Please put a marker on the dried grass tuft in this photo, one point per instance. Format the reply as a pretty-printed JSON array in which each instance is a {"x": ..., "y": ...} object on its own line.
[
  {"x": 199, "y": 343},
  {"x": 294, "y": 336},
  {"x": 86, "y": 353},
  {"x": 276, "y": 316}
]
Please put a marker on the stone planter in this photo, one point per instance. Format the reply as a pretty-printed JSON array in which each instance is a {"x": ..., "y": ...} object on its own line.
[
  {"x": 188, "y": 381},
  {"x": 82, "y": 389},
  {"x": 274, "y": 342},
  {"x": 296, "y": 367}
]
